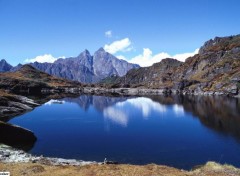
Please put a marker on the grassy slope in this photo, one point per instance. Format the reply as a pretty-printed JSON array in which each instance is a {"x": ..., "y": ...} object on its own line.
[
  {"x": 32, "y": 169},
  {"x": 31, "y": 77}
]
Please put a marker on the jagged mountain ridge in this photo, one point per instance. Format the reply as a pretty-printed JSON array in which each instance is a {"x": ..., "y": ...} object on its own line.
[
  {"x": 156, "y": 76},
  {"x": 86, "y": 68},
  {"x": 216, "y": 68}
]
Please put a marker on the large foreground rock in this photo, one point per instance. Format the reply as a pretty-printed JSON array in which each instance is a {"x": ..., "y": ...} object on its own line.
[{"x": 16, "y": 136}]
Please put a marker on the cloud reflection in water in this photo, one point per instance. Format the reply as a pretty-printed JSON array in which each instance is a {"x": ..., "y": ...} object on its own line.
[
  {"x": 120, "y": 112},
  {"x": 116, "y": 115},
  {"x": 178, "y": 109},
  {"x": 50, "y": 102}
]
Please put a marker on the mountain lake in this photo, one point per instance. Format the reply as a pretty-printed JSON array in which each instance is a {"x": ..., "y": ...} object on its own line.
[{"x": 179, "y": 131}]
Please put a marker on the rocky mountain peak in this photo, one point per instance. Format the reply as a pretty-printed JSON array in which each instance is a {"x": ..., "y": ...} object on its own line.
[
  {"x": 86, "y": 68},
  {"x": 4, "y": 66},
  {"x": 26, "y": 67},
  {"x": 106, "y": 64},
  {"x": 220, "y": 44},
  {"x": 101, "y": 54},
  {"x": 85, "y": 53},
  {"x": 171, "y": 61},
  {"x": 13, "y": 69},
  {"x": 167, "y": 63},
  {"x": 101, "y": 50},
  {"x": 84, "y": 57},
  {"x": 3, "y": 61}
]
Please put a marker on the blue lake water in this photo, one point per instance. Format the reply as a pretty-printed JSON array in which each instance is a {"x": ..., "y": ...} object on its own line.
[{"x": 175, "y": 131}]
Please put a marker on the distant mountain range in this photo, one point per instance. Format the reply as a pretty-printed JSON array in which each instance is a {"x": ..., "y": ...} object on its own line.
[
  {"x": 84, "y": 68},
  {"x": 215, "y": 69}
]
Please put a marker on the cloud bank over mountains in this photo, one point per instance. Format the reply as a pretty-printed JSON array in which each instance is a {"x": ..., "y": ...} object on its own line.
[
  {"x": 119, "y": 48},
  {"x": 44, "y": 58},
  {"x": 147, "y": 58}
]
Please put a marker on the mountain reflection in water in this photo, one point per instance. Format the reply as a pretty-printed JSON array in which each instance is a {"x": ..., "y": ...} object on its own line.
[{"x": 218, "y": 113}]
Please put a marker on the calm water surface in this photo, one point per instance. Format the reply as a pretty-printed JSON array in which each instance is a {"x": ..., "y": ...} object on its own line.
[{"x": 175, "y": 131}]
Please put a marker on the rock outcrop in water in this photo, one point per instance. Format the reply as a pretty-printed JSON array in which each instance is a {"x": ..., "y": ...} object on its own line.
[
  {"x": 13, "y": 105},
  {"x": 16, "y": 137}
]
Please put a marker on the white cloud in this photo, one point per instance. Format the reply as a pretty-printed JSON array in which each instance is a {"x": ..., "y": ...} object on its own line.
[
  {"x": 147, "y": 58},
  {"x": 182, "y": 57},
  {"x": 108, "y": 34},
  {"x": 119, "y": 45},
  {"x": 43, "y": 58}
]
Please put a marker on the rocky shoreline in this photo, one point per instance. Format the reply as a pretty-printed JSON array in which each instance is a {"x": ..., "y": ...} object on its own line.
[
  {"x": 12, "y": 105},
  {"x": 11, "y": 155},
  {"x": 146, "y": 91},
  {"x": 18, "y": 162}
]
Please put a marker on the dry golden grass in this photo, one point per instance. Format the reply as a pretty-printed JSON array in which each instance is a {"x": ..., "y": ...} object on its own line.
[
  {"x": 30, "y": 169},
  {"x": 3, "y": 93},
  {"x": 214, "y": 169},
  {"x": 30, "y": 75},
  {"x": 35, "y": 169}
]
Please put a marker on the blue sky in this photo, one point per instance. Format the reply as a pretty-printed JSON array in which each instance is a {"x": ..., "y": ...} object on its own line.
[{"x": 146, "y": 30}]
